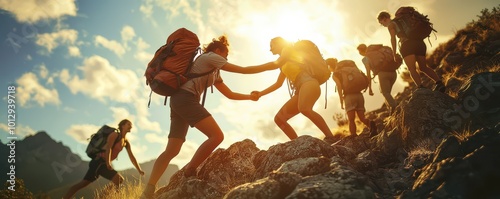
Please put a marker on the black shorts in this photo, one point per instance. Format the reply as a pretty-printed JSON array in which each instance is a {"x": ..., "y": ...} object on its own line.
[
  {"x": 413, "y": 47},
  {"x": 97, "y": 167},
  {"x": 185, "y": 111}
]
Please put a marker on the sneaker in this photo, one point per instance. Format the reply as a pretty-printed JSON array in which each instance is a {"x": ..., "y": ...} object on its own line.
[
  {"x": 373, "y": 128},
  {"x": 440, "y": 87}
]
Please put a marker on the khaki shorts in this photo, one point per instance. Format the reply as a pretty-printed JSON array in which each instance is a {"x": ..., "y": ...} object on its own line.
[
  {"x": 185, "y": 111},
  {"x": 354, "y": 101}
]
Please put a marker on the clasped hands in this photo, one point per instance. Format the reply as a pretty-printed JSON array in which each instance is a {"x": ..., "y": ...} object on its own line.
[{"x": 255, "y": 95}]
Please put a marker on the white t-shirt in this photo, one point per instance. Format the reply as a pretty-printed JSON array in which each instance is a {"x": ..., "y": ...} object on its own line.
[{"x": 205, "y": 63}]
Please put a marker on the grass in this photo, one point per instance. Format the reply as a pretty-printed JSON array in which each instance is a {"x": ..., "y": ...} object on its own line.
[{"x": 127, "y": 190}]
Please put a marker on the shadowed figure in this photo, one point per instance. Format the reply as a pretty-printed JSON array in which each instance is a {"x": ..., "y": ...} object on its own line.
[
  {"x": 354, "y": 101},
  {"x": 386, "y": 78},
  {"x": 101, "y": 164},
  {"x": 412, "y": 50},
  {"x": 306, "y": 93}
]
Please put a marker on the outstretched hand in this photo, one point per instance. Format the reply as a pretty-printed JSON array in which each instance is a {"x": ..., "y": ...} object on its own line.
[{"x": 255, "y": 95}]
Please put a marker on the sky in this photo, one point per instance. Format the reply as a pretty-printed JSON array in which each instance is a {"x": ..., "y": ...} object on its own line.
[{"x": 77, "y": 65}]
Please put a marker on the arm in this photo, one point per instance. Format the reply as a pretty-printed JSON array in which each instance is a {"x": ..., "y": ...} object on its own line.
[
  {"x": 392, "y": 32},
  {"x": 109, "y": 149},
  {"x": 132, "y": 157},
  {"x": 273, "y": 87},
  {"x": 230, "y": 94},
  {"x": 250, "y": 69},
  {"x": 340, "y": 90},
  {"x": 366, "y": 62}
]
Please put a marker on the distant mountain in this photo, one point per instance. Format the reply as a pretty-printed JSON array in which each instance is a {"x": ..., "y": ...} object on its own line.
[{"x": 47, "y": 166}]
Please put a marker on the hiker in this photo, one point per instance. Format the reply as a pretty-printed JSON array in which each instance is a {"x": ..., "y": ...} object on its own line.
[
  {"x": 413, "y": 52},
  {"x": 353, "y": 99},
  {"x": 186, "y": 110},
  {"x": 101, "y": 164},
  {"x": 373, "y": 61},
  {"x": 306, "y": 90}
]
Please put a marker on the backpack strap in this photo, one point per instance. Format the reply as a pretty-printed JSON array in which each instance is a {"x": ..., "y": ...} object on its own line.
[{"x": 326, "y": 92}]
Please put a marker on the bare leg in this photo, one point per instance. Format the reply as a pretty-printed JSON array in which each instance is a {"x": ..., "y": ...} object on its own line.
[
  {"x": 422, "y": 66},
  {"x": 308, "y": 95},
  {"x": 410, "y": 62},
  {"x": 351, "y": 116},
  {"x": 361, "y": 116},
  {"x": 75, "y": 188},
  {"x": 287, "y": 111},
  {"x": 211, "y": 129},
  {"x": 173, "y": 147}
]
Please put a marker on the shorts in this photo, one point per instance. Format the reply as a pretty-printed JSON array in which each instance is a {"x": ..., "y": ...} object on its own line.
[
  {"x": 413, "y": 47},
  {"x": 185, "y": 111},
  {"x": 97, "y": 167},
  {"x": 354, "y": 102},
  {"x": 300, "y": 80}
]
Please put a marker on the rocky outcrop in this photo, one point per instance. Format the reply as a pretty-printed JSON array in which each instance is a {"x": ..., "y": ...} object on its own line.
[
  {"x": 478, "y": 100},
  {"x": 462, "y": 169}
]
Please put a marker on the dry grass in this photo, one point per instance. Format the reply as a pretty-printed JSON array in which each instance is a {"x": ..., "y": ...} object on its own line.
[{"x": 126, "y": 190}]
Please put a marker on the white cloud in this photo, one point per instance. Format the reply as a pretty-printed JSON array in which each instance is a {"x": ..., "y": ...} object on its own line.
[
  {"x": 20, "y": 131},
  {"x": 100, "y": 80},
  {"x": 155, "y": 138},
  {"x": 74, "y": 51},
  {"x": 43, "y": 71},
  {"x": 111, "y": 45},
  {"x": 52, "y": 40},
  {"x": 142, "y": 54},
  {"x": 32, "y": 11},
  {"x": 82, "y": 132},
  {"x": 29, "y": 90},
  {"x": 127, "y": 33}
]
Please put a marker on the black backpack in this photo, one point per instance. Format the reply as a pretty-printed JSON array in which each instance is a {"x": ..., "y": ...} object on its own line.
[
  {"x": 98, "y": 141},
  {"x": 412, "y": 24}
]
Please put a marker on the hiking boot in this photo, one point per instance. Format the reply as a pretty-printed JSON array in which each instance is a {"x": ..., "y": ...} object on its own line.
[
  {"x": 373, "y": 128},
  {"x": 440, "y": 87}
]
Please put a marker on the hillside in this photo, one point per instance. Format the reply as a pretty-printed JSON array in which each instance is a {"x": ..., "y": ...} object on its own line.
[
  {"x": 434, "y": 145},
  {"x": 49, "y": 168}
]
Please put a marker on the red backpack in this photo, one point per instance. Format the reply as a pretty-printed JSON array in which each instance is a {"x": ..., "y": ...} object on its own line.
[{"x": 170, "y": 66}]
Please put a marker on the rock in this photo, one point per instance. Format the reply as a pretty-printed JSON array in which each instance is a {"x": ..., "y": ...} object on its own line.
[
  {"x": 478, "y": 100},
  {"x": 306, "y": 166},
  {"x": 475, "y": 174},
  {"x": 302, "y": 147},
  {"x": 225, "y": 169},
  {"x": 277, "y": 185},
  {"x": 423, "y": 116},
  {"x": 340, "y": 182}
]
